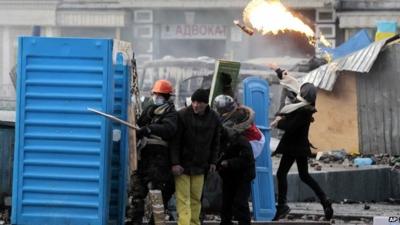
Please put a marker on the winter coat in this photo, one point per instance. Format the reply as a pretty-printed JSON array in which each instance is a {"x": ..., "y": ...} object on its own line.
[
  {"x": 296, "y": 125},
  {"x": 196, "y": 144},
  {"x": 162, "y": 120},
  {"x": 236, "y": 150}
]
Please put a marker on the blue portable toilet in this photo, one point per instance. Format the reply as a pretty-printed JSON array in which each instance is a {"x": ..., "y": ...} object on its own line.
[
  {"x": 256, "y": 96},
  {"x": 62, "y": 151},
  {"x": 119, "y": 158}
]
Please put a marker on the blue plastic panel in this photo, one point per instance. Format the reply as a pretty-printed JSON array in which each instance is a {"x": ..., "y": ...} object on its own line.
[
  {"x": 256, "y": 96},
  {"x": 62, "y": 157},
  {"x": 119, "y": 165}
]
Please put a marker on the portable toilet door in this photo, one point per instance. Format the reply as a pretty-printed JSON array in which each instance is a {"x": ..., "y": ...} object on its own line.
[
  {"x": 62, "y": 150},
  {"x": 256, "y": 96},
  {"x": 119, "y": 158}
]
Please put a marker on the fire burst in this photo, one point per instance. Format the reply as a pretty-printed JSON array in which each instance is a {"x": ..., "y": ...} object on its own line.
[{"x": 271, "y": 17}]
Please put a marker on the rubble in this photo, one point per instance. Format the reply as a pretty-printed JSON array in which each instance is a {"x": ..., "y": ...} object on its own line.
[
  {"x": 393, "y": 201},
  {"x": 341, "y": 158},
  {"x": 349, "y": 201},
  {"x": 332, "y": 156},
  {"x": 318, "y": 167},
  {"x": 349, "y": 214},
  {"x": 394, "y": 162}
]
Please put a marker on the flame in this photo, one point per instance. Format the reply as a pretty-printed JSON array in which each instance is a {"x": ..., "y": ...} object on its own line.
[
  {"x": 271, "y": 16},
  {"x": 323, "y": 40}
]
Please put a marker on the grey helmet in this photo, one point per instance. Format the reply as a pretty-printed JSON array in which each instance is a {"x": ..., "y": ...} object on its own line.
[{"x": 224, "y": 104}]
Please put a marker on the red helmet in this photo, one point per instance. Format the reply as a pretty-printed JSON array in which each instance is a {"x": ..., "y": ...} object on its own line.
[{"x": 163, "y": 87}]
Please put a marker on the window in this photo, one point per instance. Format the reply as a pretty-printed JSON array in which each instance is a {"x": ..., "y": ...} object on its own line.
[
  {"x": 328, "y": 30},
  {"x": 143, "y": 16},
  {"x": 143, "y": 31},
  {"x": 326, "y": 15}
]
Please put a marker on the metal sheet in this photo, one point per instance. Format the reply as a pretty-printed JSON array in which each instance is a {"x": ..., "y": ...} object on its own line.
[
  {"x": 61, "y": 166},
  {"x": 361, "y": 61}
]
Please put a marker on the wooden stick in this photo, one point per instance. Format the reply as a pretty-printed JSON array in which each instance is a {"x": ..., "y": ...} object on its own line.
[{"x": 114, "y": 118}]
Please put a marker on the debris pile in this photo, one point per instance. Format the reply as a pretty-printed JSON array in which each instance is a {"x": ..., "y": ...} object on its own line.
[{"x": 340, "y": 157}]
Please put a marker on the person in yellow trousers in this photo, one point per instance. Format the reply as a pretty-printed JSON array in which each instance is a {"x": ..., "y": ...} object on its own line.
[{"x": 194, "y": 153}]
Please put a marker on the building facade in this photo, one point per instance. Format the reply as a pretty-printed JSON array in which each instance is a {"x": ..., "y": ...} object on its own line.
[
  {"x": 357, "y": 14},
  {"x": 159, "y": 28}
]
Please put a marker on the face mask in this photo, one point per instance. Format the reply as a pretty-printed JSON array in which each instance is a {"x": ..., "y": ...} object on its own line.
[{"x": 158, "y": 100}]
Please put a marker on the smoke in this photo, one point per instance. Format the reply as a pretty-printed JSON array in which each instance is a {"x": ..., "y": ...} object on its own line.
[
  {"x": 246, "y": 47},
  {"x": 290, "y": 44},
  {"x": 257, "y": 46}
]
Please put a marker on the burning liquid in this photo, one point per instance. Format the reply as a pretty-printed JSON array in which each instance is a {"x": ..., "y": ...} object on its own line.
[{"x": 271, "y": 17}]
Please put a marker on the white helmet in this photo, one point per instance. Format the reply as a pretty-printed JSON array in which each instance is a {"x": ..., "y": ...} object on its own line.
[{"x": 224, "y": 104}]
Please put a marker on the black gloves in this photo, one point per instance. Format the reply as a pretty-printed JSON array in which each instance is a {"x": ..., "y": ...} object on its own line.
[
  {"x": 226, "y": 79},
  {"x": 142, "y": 132},
  {"x": 279, "y": 73}
]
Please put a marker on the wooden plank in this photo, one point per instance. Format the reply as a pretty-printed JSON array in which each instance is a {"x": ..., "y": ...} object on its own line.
[
  {"x": 362, "y": 114},
  {"x": 132, "y": 140},
  {"x": 379, "y": 103},
  {"x": 395, "y": 104},
  {"x": 371, "y": 119},
  {"x": 386, "y": 87},
  {"x": 379, "y": 108}
]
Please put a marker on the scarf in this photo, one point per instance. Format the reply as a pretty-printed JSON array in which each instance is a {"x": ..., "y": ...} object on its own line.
[{"x": 294, "y": 106}]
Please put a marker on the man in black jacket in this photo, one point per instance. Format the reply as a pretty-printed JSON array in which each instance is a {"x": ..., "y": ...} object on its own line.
[
  {"x": 158, "y": 127},
  {"x": 194, "y": 152}
]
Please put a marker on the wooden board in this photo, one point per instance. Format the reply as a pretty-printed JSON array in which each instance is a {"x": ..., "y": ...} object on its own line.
[
  {"x": 132, "y": 140},
  {"x": 336, "y": 123}
]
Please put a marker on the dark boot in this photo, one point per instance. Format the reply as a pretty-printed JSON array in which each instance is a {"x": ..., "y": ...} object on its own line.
[
  {"x": 281, "y": 212},
  {"x": 328, "y": 210},
  {"x": 137, "y": 212}
]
